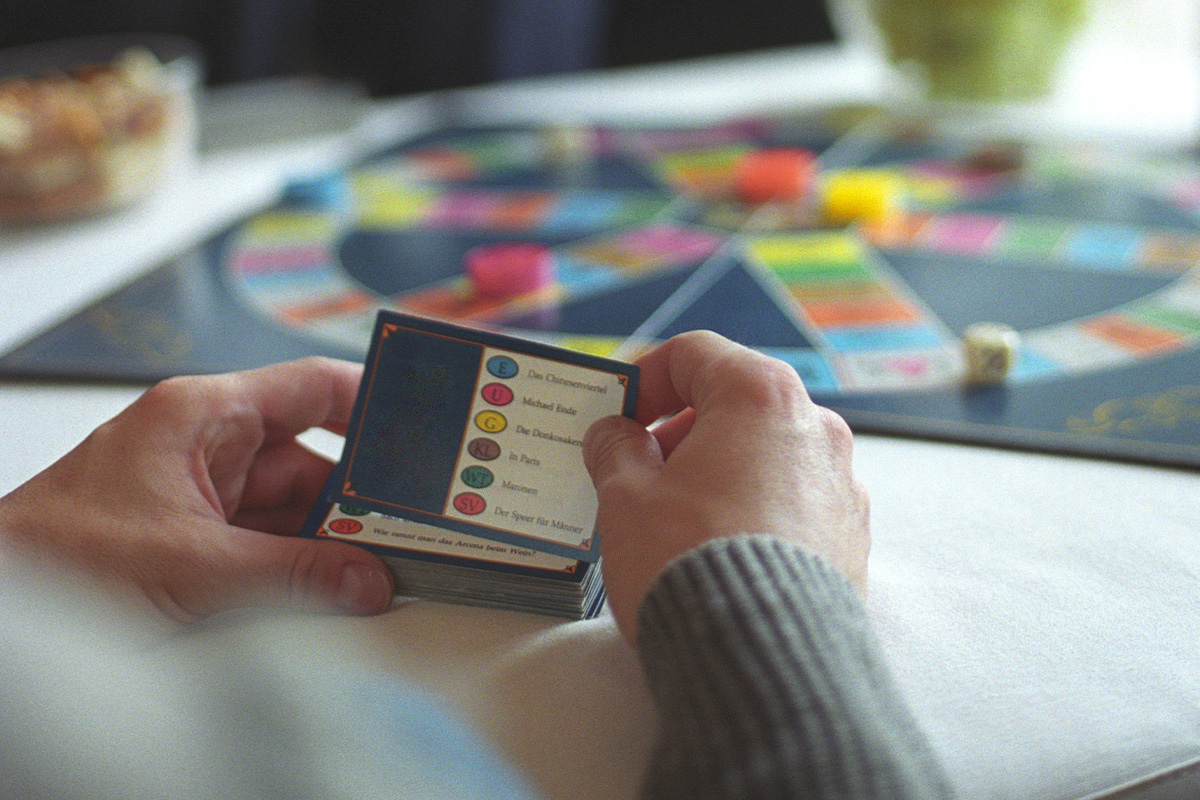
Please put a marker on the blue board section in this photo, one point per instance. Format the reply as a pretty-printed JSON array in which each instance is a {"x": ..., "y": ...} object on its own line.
[
  {"x": 1149, "y": 412},
  {"x": 393, "y": 262},
  {"x": 180, "y": 318},
  {"x": 603, "y": 173},
  {"x": 962, "y": 291},
  {"x": 1110, "y": 202},
  {"x": 617, "y": 312},
  {"x": 737, "y": 307}
]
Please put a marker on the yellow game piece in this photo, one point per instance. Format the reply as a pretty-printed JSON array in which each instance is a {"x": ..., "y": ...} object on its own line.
[
  {"x": 860, "y": 195},
  {"x": 991, "y": 349}
]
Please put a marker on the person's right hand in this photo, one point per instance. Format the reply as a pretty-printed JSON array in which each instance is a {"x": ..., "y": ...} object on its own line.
[{"x": 745, "y": 452}]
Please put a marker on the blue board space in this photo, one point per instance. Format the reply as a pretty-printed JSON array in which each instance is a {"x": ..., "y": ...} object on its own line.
[
  {"x": 616, "y": 312},
  {"x": 392, "y": 262},
  {"x": 1144, "y": 413},
  {"x": 1090, "y": 200},
  {"x": 178, "y": 319},
  {"x": 186, "y": 316},
  {"x": 962, "y": 291},
  {"x": 602, "y": 173},
  {"x": 739, "y": 308}
]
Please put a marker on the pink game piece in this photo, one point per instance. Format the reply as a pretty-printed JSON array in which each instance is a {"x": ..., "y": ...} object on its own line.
[{"x": 509, "y": 269}]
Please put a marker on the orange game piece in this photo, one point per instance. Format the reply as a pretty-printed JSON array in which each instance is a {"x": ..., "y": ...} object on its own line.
[
  {"x": 782, "y": 173},
  {"x": 509, "y": 269}
]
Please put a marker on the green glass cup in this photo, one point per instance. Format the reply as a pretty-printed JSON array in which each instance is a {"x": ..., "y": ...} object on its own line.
[{"x": 979, "y": 50}]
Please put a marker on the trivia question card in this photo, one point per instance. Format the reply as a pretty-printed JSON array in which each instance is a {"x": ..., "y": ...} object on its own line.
[{"x": 480, "y": 433}]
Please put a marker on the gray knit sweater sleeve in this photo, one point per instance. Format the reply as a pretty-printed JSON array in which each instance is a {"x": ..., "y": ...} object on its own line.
[{"x": 770, "y": 684}]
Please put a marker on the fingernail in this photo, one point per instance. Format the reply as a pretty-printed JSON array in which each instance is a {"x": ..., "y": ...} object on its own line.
[{"x": 363, "y": 590}]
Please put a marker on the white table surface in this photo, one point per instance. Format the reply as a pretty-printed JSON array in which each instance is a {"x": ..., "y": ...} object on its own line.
[{"x": 1041, "y": 612}]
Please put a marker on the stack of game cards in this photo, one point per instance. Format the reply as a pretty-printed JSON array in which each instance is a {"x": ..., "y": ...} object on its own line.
[
  {"x": 463, "y": 466},
  {"x": 454, "y": 567}
]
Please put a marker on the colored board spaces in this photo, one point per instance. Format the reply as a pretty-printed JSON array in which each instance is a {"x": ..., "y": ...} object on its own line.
[{"x": 859, "y": 252}]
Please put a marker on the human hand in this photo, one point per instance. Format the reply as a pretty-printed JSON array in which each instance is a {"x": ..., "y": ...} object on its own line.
[
  {"x": 175, "y": 499},
  {"x": 746, "y": 452}
]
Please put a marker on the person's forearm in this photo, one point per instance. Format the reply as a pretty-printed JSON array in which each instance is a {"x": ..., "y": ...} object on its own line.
[{"x": 770, "y": 684}]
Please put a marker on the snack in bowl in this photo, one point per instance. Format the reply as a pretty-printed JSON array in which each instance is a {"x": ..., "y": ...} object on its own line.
[{"x": 89, "y": 138}]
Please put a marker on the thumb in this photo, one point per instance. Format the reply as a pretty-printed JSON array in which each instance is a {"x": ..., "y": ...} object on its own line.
[
  {"x": 303, "y": 573},
  {"x": 618, "y": 446}
]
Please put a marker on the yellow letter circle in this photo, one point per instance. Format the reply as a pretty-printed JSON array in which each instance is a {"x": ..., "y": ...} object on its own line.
[{"x": 490, "y": 421}]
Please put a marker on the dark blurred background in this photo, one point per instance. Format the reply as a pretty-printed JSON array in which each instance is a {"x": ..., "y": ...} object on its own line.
[{"x": 404, "y": 46}]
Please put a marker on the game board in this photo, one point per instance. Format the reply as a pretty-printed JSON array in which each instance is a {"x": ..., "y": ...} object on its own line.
[{"x": 1093, "y": 256}]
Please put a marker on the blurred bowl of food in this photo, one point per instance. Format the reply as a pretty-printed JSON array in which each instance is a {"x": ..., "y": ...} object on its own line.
[
  {"x": 93, "y": 124},
  {"x": 991, "y": 51}
]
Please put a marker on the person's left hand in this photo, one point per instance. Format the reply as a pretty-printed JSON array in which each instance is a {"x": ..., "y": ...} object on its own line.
[{"x": 186, "y": 499}]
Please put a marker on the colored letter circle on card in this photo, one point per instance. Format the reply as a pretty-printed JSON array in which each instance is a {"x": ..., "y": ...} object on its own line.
[
  {"x": 490, "y": 421},
  {"x": 502, "y": 366},
  {"x": 346, "y": 527},
  {"x": 469, "y": 503},
  {"x": 497, "y": 394},
  {"x": 477, "y": 477},
  {"x": 484, "y": 449}
]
